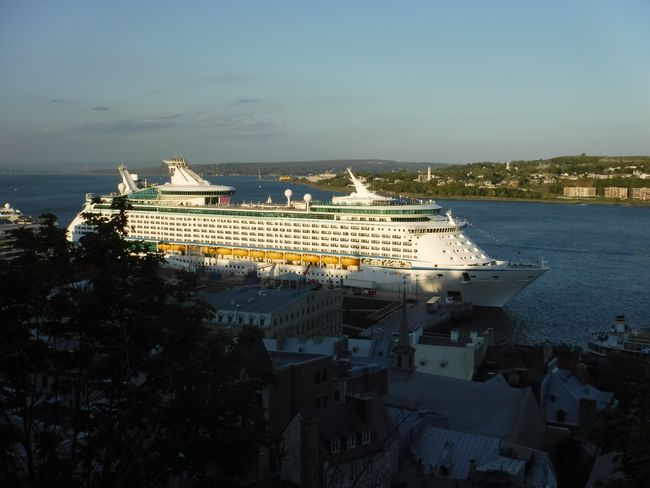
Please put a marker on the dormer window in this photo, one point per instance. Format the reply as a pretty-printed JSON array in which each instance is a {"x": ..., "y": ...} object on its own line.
[
  {"x": 365, "y": 438},
  {"x": 335, "y": 446},
  {"x": 352, "y": 441}
]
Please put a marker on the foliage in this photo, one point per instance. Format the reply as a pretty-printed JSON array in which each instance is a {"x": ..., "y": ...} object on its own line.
[
  {"x": 571, "y": 462},
  {"x": 109, "y": 376},
  {"x": 528, "y": 180},
  {"x": 626, "y": 430}
]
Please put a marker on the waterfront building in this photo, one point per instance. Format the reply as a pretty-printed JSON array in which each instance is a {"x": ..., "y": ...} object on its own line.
[
  {"x": 279, "y": 312},
  {"x": 615, "y": 192},
  {"x": 642, "y": 193},
  {"x": 579, "y": 191}
]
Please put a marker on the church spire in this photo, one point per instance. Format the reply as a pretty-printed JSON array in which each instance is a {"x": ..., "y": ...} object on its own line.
[
  {"x": 403, "y": 323},
  {"x": 403, "y": 352}
]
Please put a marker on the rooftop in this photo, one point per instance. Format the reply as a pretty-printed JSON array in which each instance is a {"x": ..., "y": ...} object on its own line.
[{"x": 256, "y": 299}]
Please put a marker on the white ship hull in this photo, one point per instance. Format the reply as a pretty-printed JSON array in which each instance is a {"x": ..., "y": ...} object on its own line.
[{"x": 491, "y": 287}]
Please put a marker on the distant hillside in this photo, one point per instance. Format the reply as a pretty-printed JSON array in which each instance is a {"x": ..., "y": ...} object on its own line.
[
  {"x": 292, "y": 168},
  {"x": 304, "y": 168}
]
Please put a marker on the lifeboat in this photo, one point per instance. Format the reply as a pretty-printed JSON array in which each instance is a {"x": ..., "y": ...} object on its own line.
[
  {"x": 257, "y": 254},
  {"x": 274, "y": 255},
  {"x": 224, "y": 251},
  {"x": 350, "y": 261},
  {"x": 289, "y": 256},
  {"x": 162, "y": 246},
  {"x": 310, "y": 258},
  {"x": 209, "y": 250},
  {"x": 241, "y": 252},
  {"x": 330, "y": 259}
]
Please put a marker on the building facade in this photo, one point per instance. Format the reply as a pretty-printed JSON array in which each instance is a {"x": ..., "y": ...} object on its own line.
[
  {"x": 615, "y": 192},
  {"x": 279, "y": 312},
  {"x": 579, "y": 191},
  {"x": 640, "y": 193}
]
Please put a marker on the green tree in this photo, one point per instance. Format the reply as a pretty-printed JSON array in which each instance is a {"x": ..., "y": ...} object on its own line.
[
  {"x": 108, "y": 375},
  {"x": 626, "y": 430}
]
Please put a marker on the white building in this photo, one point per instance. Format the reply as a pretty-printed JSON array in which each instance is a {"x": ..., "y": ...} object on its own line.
[{"x": 453, "y": 355}]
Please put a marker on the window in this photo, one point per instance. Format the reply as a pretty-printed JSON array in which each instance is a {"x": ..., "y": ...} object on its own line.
[
  {"x": 316, "y": 376},
  {"x": 365, "y": 438},
  {"x": 335, "y": 446},
  {"x": 352, "y": 441}
]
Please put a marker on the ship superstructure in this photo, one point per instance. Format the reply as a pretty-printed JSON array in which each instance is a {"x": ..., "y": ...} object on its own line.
[
  {"x": 362, "y": 240},
  {"x": 10, "y": 220}
]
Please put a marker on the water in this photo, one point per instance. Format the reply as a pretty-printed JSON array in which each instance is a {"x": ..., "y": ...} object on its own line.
[{"x": 599, "y": 255}]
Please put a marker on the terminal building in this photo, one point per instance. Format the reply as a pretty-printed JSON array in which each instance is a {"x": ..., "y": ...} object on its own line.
[{"x": 279, "y": 312}]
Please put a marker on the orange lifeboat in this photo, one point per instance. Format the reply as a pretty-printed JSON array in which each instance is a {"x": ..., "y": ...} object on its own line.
[
  {"x": 241, "y": 252},
  {"x": 350, "y": 261},
  {"x": 310, "y": 258},
  {"x": 290, "y": 256},
  {"x": 224, "y": 251},
  {"x": 257, "y": 254},
  {"x": 163, "y": 246},
  {"x": 209, "y": 250},
  {"x": 274, "y": 255},
  {"x": 330, "y": 259}
]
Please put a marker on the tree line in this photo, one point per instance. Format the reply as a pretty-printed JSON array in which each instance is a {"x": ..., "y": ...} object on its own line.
[{"x": 108, "y": 375}]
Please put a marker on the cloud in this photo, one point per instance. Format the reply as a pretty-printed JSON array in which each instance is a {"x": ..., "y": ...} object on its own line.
[
  {"x": 238, "y": 125},
  {"x": 99, "y": 109},
  {"x": 245, "y": 101},
  {"x": 61, "y": 101},
  {"x": 127, "y": 126},
  {"x": 216, "y": 124}
]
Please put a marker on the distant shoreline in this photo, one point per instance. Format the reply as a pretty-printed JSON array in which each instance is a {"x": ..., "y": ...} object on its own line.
[
  {"x": 595, "y": 201},
  {"x": 623, "y": 203}
]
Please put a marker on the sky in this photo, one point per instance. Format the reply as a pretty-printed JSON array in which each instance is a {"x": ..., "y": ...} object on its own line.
[{"x": 89, "y": 82}]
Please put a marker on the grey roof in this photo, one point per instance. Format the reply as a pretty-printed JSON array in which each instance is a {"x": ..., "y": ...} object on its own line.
[
  {"x": 284, "y": 359},
  {"x": 454, "y": 450},
  {"x": 490, "y": 409},
  {"x": 408, "y": 421},
  {"x": 255, "y": 299}
]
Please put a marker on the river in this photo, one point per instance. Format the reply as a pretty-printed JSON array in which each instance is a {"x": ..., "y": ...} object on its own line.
[{"x": 599, "y": 255}]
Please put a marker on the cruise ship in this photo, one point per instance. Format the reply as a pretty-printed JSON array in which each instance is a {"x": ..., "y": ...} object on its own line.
[
  {"x": 10, "y": 220},
  {"x": 362, "y": 240}
]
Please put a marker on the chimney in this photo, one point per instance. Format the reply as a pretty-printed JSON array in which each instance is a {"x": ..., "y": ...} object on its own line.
[
  {"x": 582, "y": 372},
  {"x": 547, "y": 352},
  {"x": 362, "y": 406},
  {"x": 489, "y": 337}
]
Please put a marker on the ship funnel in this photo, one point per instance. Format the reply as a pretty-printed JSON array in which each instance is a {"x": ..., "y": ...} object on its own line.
[{"x": 288, "y": 193}]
